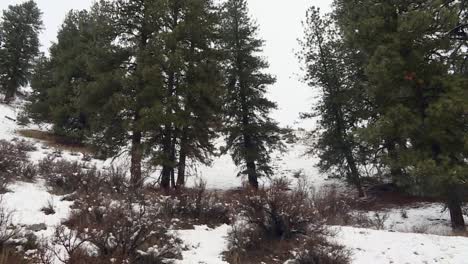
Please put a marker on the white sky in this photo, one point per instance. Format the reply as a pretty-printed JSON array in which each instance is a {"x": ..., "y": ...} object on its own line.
[{"x": 280, "y": 27}]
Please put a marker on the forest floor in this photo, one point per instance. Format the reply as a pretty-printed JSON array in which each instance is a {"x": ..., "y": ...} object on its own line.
[{"x": 411, "y": 231}]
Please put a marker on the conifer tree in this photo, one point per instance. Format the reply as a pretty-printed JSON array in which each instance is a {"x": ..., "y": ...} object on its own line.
[
  {"x": 332, "y": 67},
  {"x": 58, "y": 80},
  {"x": 191, "y": 101},
  {"x": 251, "y": 134},
  {"x": 148, "y": 73},
  {"x": 20, "y": 26},
  {"x": 418, "y": 89}
]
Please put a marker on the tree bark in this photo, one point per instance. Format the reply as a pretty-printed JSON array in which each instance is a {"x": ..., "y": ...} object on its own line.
[
  {"x": 252, "y": 174},
  {"x": 166, "y": 169},
  {"x": 250, "y": 162},
  {"x": 182, "y": 160},
  {"x": 136, "y": 158},
  {"x": 454, "y": 205},
  {"x": 354, "y": 173}
]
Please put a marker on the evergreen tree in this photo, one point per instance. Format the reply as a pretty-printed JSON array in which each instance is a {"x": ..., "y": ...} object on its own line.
[
  {"x": 19, "y": 45},
  {"x": 57, "y": 81},
  {"x": 146, "y": 72},
  {"x": 418, "y": 88},
  {"x": 251, "y": 134},
  {"x": 191, "y": 100},
  {"x": 332, "y": 67}
]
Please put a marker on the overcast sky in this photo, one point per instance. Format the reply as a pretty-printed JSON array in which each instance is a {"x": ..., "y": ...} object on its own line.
[{"x": 280, "y": 27}]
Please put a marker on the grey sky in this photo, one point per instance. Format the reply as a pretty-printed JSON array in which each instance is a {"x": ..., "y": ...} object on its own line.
[{"x": 280, "y": 27}]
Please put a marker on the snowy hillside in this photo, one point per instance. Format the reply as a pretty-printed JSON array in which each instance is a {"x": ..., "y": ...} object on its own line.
[{"x": 205, "y": 245}]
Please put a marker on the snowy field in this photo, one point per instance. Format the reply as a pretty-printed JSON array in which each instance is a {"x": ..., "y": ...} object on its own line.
[{"x": 398, "y": 243}]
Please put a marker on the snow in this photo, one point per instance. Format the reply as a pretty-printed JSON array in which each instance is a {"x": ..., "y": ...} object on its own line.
[
  {"x": 205, "y": 245},
  {"x": 26, "y": 201},
  {"x": 7, "y": 126},
  {"x": 372, "y": 246},
  {"x": 431, "y": 218}
]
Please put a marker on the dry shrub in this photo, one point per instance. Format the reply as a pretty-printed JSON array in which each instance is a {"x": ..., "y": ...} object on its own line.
[
  {"x": 14, "y": 163},
  {"x": 318, "y": 250},
  {"x": 65, "y": 177},
  {"x": 276, "y": 221},
  {"x": 195, "y": 206},
  {"x": 279, "y": 213},
  {"x": 7, "y": 230},
  {"x": 334, "y": 208},
  {"x": 9, "y": 255},
  {"x": 120, "y": 232},
  {"x": 13, "y": 242}
]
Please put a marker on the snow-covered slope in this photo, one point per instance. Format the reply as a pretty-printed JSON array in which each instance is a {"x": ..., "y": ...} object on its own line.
[{"x": 205, "y": 245}]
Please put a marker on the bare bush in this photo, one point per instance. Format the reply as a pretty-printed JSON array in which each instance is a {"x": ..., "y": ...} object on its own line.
[
  {"x": 14, "y": 163},
  {"x": 279, "y": 213},
  {"x": 276, "y": 221},
  {"x": 9, "y": 255},
  {"x": 318, "y": 250},
  {"x": 49, "y": 209},
  {"x": 7, "y": 230},
  {"x": 121, "y": 232},
  {"x": 65, "y": 177},
  {"x": 194, "y": 206},
  {"x": 334, "y": 208}
]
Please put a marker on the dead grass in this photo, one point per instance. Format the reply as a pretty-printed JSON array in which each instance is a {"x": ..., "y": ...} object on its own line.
[{"x": 55, "y": 141}]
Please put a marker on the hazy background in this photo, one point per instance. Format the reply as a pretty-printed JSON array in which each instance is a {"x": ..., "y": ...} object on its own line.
[{"x": 280, "y": 26}]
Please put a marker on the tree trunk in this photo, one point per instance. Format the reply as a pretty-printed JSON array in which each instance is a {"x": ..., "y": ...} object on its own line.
[
  {"x": 182, "y": 160},
  {"x": 181, "y": 170},
  {"x": 354, "y": 173},
  {"x": 136, "y": 157},
  {"x": 251, "y": 166},
  {"x": 9, "y": 94},
  {"x": 252, "y": 174},
  {"x": 167, "y": 168},
  {"x": 454, "y": 205}
]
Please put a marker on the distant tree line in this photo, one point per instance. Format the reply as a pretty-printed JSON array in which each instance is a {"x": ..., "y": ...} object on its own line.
[{"x": 393, "y": 80}]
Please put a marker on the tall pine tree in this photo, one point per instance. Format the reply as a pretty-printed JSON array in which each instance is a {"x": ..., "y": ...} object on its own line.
[
  {"x": 418, "y": 89},
  {"x": 20, "y": 26},
  {"x": 332, "y": 67},
  {"x": 192, "y": 87},
  {"x": 251, "y": 134}
]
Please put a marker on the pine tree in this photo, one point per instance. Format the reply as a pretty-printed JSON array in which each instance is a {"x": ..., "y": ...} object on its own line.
[
  {"x": 251, "y": 134},
  {"x": 58, "y": 80},
  {"x": 418, "y": 87},
  {"x": 192, "y": 87},
  {"x": 147, "y": 72},
  {"x": 332, "y": 68},
  {"x": 19, "y": 45}
]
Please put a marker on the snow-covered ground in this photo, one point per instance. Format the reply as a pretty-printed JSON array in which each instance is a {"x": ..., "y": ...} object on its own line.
[{"x": 204, "y": 245}]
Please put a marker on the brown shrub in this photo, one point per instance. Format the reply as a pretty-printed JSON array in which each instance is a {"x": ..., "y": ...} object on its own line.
[
  {"x": 278, "y": 220},
  {"x": 14, "y": 163},
  {"x": 279, "y": 213},
  {"x": 195, "y": 206},
  {"x": 333, "y": 208},
  {"x": 120, "y": 231},
  {"x": 318, "y": 250},
  {"x": 9, "y": 255}
]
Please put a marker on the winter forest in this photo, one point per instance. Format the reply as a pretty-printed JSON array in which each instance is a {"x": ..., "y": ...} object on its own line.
[{"x": 145, "y": 133}]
